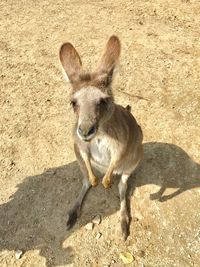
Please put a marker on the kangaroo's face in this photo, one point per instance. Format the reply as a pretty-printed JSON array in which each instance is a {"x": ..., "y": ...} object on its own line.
[
  {"x": 92, "y": 107},
  {"x": 91, "y": 97}
]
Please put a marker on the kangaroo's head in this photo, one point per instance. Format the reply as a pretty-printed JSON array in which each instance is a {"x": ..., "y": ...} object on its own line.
[{"x": 91, "y": 96}]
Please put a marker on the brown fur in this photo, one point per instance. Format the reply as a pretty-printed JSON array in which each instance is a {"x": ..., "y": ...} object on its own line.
[{"x": 106, "y": 135}]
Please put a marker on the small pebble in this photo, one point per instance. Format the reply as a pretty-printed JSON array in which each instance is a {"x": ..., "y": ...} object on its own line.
[
  {"x": 97, "y": 219},
  {"x": 98, "y": 235},
  {"x": 141, "y": 253},
  {"x": 18, "y": 254},
  {"x": 89, "y": 226},
  {"x": 50, "y": 172},
  {"x": 126, "y": 257}
]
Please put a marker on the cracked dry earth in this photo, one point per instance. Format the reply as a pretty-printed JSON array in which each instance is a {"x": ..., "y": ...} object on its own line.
[{"x": 158, "y": 75}]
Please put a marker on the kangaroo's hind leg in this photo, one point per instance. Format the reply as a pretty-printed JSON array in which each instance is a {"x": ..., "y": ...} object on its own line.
[
  {"x": 124, "y": 216},
  {"x": 74, "y": 212}
]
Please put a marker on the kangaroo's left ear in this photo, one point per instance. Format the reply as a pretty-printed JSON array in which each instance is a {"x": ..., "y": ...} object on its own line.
[{"x": 109, "y": 59}]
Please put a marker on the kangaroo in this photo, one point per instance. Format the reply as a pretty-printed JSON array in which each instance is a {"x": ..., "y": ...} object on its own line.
[{"x": 106, "y": 136}]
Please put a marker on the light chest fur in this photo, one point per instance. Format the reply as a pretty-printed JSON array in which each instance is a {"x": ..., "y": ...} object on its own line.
[{"x": 101, "y": 151}]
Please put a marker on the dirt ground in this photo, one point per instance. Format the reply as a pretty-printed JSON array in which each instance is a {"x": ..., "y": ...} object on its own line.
[{"x": 158, "y": 75}]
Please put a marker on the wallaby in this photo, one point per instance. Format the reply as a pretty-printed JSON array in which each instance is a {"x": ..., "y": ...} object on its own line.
[{"x": 107, "y": 137}]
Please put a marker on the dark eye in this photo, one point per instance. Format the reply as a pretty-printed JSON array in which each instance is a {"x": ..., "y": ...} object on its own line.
[{"x": 103, "y": 101}]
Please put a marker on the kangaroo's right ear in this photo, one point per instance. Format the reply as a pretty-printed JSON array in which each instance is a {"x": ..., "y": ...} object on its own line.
[{"x": 70, "y": 61}]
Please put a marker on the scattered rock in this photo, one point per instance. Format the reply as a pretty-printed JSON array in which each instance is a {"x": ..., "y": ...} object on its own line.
[
  {"x": 97, "y": 219},
  {"x": 18, "y": 254},
  {"x": 197, "y": 236},
  {"x": 50, "y": 171},
  {"x": 98, "y": 235},
  {"x": 89, "y": 226},
  {"x": 108, "y": 242},
  {"x": 126, "y": 257},
  {"x": 141, "y": 253}
]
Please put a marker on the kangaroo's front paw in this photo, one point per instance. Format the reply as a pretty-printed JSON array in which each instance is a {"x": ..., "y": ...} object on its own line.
[
  {"x": 106, "y": 182},
  {"x": 93, "y": 180}
]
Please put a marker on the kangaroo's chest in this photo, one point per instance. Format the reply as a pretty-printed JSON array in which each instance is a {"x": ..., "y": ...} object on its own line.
[{"x": 100, "y": 151}]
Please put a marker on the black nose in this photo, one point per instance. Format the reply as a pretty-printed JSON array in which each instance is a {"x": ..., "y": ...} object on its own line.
[{"x": 85, "y": 132}]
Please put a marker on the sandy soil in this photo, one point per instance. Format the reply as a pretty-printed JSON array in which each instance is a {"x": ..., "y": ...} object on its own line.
[{"x": 159, "y": 76}]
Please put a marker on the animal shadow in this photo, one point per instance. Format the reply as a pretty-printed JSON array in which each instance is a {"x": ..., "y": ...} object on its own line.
[
  {"x": 35, "y": 216},
  {"x": 167, "y": 166}
]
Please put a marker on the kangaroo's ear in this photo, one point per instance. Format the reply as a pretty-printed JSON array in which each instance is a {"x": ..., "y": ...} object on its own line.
[
  {"x": 109, "y": 59},
  {"x": 70, "y": 61}
]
